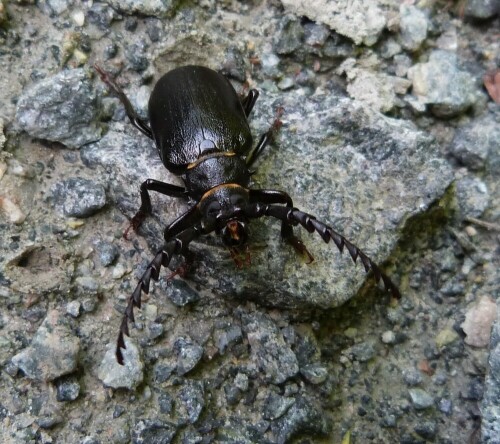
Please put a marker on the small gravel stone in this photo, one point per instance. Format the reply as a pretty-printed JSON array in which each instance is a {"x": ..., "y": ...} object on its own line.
[
  {"x": 472, "y": 196},
  {"x": 276, "y": 406},
  {"x": 166, "y": 403},
  {"x": 62, "y": 108},
  {"x": 190, "y": 401},
  {"x": 275, "y": 358},
  {"x": 420, "y": 399},
  {"x": 53, "y": 352},
  {"x": 303, "y": 417},
  {"x": 129, "y": 375},
  {"x": 181, "y": 294},
  {"x": 440, "y": 84},
  {"x": 73, "y": 308},
  {"x": 78, "y": 197},
  {"x": 68, "y": 389},
  {"x": 445, "y": 406},
  {"x": 412, "y": 377},
  {"x": 362, "y": 352},
  {"x": 413, "y": 27},
  {"x": 482, "y": 9},
  {"x": 189, "y": 354},
  {"x": 87, "y": 284},
  {"x": 476, "y": 145},
  {"x": 478, "y": 321},
  {"x": 241, "y": 381},
  {"x": 107, "y": 251},
  {"x": 153, "y": 431},
  {"x": 314, "y": 373},
  {"x": 426, "y": 429},
  {"x": 389, "y": 337},
  {"x": 474, "y": 391},
  {"x": 163, "y": 372}
]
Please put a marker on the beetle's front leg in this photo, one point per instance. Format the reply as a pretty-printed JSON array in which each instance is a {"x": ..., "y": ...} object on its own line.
[
  {"x": 145, "y": 208},
  {"x": 280, "y": 197}
]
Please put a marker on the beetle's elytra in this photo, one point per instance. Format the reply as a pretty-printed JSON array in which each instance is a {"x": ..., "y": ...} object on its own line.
[{"x": 200, "y": 127}]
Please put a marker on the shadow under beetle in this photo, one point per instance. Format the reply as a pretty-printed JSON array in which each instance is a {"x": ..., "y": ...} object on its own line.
[{"x": 200, "y": 128}]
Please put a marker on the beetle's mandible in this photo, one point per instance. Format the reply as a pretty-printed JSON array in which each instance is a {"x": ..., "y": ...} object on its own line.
[{"x": 200, "y": 127}]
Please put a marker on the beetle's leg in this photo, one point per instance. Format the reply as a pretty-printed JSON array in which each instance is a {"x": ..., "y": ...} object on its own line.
[
  {"x": 188, "y": 219},
  {"x": 139, "y": 123},
  {"x": 280, "y": 197},
  {"x": 248, "y": 102},
  {"x": 295, "y": 217},
  {"x": 265, "y": 139},
  {"x": 176, "y": 245},
  {"x": 145, "y": 209}
]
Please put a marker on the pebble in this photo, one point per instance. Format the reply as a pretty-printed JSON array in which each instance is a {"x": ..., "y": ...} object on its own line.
[
  {"x": 78, "y": 197},
  {"x": 189, "y": 353},
  {"x": 472, "y": 196},
  {"x": 426, "y": 429},
  {"x": 268, "y": 348},
  {"x": 446, "y": 337},
  {"x": 478, "y": 321},
  {"x": 474, "y": 390},
  {"x": 129, "y": 375},
  {"x": 61, "y": 108},
  {"x": 12, "y": 210},
  {"x": 153, "y": 431},
  {"x": 304, "y": 417},
  {"x": 190, "y": 401},
  {"x": 362, "y": 352},
  {"x": 420, "y": 399},
  {"x": 389, "y": 337},
  {"x": 445, "y": 406},
  {"x": 118, "y": 272},
  {"x": 53, "y": 352},
  {"x": 413, "y": 26},
  {"x": 314, "y": 373},
  {"x": 441, "y": 85},
  {"x": 181, "y": 294},
  {"x": 107, "y": 252},
  {"x": 227, "y": 337},
  {"x": 481, "y": 9},
  {"x": 68, "y": 389},
  {"x": 166, "y": 403},
  {"x": 476, "y": 145},
  {"x": 276, "y": 406},
  {"x": 73, "y": 308},
  {"x": 412, "y": 377}
]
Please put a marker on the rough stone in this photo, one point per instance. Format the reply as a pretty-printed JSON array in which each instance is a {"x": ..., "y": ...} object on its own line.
[
  {"x": 440, "y": 84},
  {"x": 62, "y": 108},
  {"x": 53, "y": 352},
  {"x": 478, "y": 321},
  {"x": 360, "y": 21},
  {"x": 413, "y": 26}
]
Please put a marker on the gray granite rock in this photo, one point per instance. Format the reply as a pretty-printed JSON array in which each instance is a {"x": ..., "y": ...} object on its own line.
[
  {"x": 78, "y": 197},
  {"x": 274, "y": 357},
  {"x": 442, "y": 86},
  {"x": 360, "y": 172},
  {"x": 361, "y": 21},
  {"x": 62, "y": 108},
  {"x": 129, "y": 375},
  {"x": 413, "y": 26},
  {"x": 53, "y": 352}
]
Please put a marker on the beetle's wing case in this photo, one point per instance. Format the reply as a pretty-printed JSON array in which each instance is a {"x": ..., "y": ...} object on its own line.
[{"x": 193, "y": 109}]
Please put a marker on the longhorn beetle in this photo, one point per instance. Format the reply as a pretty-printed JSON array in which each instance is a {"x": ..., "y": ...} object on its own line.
[{"x": 200, "y": 127}]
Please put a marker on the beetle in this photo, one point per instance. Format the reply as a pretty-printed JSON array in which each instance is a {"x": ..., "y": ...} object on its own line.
[{"x": 200, "y": 127}]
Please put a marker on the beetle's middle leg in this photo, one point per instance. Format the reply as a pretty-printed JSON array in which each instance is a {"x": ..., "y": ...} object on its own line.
[
  {"x": 280, "y": 197},
  {"x": 139, "y": 123},
  {"x": 145, "y": 209}
]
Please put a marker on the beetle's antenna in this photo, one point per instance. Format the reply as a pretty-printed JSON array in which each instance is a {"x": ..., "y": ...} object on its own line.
[
  {"x": 176, "y": 245},
  {"x": 293, "y": 216}
]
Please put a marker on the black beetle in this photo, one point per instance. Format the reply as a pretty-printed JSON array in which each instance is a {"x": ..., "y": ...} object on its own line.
[{"x": 200, "y": 127}]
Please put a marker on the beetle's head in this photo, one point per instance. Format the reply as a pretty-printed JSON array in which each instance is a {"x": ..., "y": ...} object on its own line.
[{"x": 222, "y": 207}]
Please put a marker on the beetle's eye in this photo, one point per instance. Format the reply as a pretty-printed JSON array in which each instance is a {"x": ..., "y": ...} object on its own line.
[{"x": 213, "y": 209}]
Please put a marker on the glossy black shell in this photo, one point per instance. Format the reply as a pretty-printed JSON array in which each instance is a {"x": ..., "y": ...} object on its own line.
[{"x": 193, "y": 110}]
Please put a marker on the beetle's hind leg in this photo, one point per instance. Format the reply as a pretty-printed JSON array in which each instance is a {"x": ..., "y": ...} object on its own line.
[
  {"x": 139, "y": 123},
  {"x": 248, "y": 102},
  {"x": 145, "y": 209},
  {"x": 280, "y": 197},
  {"x": 265, "y": 139}
]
